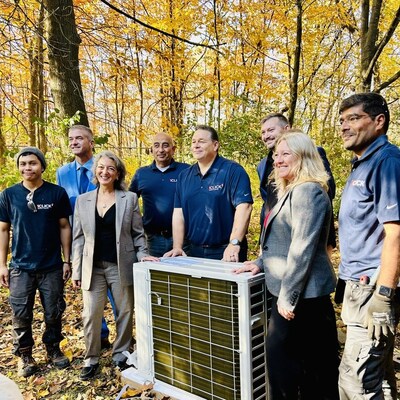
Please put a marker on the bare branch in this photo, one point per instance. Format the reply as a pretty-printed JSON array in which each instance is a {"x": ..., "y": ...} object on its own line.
[
  {"x": 388, "y": 82},
  {"x": 384, "y": 42},
  {"x": 209, "y": 46}
]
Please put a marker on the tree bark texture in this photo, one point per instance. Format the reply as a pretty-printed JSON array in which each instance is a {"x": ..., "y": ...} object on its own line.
[
  {"x": 372, "y": 44},
  {"x": 294, "y": 84},
  {"x": 36, "y": 102},
  {"x": 63, "y": 49}
]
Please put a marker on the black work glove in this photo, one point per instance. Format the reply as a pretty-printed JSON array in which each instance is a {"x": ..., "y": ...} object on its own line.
[{"x": 380, "y": 317}]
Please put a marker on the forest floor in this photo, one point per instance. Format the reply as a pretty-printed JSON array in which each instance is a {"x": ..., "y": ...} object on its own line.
[{"x": 50, "y": 383}]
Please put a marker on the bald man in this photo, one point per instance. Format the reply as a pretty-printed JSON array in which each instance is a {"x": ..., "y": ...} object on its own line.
[{"x": 156, "y": 185}]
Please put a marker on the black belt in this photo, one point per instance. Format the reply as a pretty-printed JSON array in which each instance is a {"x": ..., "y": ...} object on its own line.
[{"x": 164, "y": 233}]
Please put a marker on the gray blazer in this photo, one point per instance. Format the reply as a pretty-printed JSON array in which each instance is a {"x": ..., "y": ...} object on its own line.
[
  {"x": 130, "y": 239},
  {"x": 294, "y": 246}
]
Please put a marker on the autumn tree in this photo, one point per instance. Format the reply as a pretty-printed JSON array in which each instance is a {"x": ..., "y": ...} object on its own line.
[
  {"x": 373, "y": 40},
  {"x": 36, "y": 101},
  {"x": 63, "y": 54}
]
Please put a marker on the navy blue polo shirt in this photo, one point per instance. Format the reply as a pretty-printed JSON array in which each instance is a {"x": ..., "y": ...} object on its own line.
[
  {"x": 209, "y": 202},
  {"x": 370, "y": 198},
  {"x": 36, "y": 243},
  {"x": 157, "y": 190}
]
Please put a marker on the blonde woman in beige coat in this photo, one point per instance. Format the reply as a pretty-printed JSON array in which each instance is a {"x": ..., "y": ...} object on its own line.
[{"x": 107, "y": 239}]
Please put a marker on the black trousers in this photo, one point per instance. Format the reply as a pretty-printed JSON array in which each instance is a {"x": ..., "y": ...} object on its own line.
[
  {"x": 303, "y": 354},
  {"x": 23, "y": 287}
]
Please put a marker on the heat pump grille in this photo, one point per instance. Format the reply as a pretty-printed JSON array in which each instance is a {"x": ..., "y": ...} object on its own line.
[
  {"x": 195, "y": 334},
  {"x": 200, "y": 330}
]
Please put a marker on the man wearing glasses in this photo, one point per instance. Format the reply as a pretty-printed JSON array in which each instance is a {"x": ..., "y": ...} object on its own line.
[
  {"x": 369, "y": 236},
  {"x": 37, "y": 212}
]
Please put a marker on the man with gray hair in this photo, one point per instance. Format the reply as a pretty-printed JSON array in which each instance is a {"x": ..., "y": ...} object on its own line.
[{"x": 76, "y": 178}]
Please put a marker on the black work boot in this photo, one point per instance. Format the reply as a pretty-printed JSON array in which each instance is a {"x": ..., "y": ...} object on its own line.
[
  {"x": 56, "y": 356},
  {"x": 27, "y": 365}
]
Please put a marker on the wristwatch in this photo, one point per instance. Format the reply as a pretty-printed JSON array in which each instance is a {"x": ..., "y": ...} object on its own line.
[
  {"x": 386, "y": 291},
  {"x": 235, "y": 242}
]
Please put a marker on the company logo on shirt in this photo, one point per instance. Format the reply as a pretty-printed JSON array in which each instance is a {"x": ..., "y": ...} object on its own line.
[
  {"x": 44, "y": 206},
  {"x": 358, "y": 183},
  {"x": 215, "y": 187},
  {"x": 173, "y": 180}
]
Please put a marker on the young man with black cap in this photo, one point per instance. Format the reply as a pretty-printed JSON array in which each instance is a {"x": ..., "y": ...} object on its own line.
[{"x": 38, "y": 212}]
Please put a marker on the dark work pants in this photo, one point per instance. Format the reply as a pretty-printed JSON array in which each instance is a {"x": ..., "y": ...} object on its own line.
[
  {"x": 302, "y": 354},
  {"x": 23, "y": 286}
]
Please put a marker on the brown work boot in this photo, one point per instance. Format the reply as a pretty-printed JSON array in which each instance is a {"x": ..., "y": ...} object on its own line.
[
  {"x": 27, "y": 365},
  {"x": 56, "y": 356}
]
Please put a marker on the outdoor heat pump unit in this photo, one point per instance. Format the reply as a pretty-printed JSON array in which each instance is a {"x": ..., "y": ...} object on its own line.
[{"x": 200, "y": 330}]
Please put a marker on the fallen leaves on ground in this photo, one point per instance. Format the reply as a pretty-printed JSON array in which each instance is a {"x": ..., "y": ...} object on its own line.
[{"x": 49, "y": 382}]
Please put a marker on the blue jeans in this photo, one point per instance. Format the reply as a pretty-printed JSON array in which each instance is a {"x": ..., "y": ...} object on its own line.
[
  {"x": 23, "y": 286},
  {"x": 158, "y": 245}
]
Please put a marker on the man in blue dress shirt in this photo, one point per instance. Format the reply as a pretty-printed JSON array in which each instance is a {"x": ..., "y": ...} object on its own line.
[{"x": 76, "y": 178}]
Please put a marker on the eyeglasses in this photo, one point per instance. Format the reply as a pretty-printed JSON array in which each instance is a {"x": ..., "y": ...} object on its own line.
[
  {"x": 352, "y": 119},
  {"x": 31, "y": 205}
]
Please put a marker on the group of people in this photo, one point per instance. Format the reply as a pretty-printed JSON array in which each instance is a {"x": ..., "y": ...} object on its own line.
[
  {"x": 203, "y": 210},
  {"x": 302, "y": 345}
]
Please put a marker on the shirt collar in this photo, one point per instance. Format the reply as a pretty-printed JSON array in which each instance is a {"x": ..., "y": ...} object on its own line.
[
  {"x": 371, "y": 149},
  {"x": 213, "y": 166},
  {"x": 88, "y": 164},
  {"x": 171, "y": 166}
]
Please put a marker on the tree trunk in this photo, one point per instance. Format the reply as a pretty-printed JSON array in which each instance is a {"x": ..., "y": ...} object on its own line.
[
  {"x": 371, "y": 48},
  {"x": 63, "y": 44},
  {"x": 217, "y": 67},
  {"x": 36, "y": 101},
  {"x": 296, "y": 63},
  {"x": 2, "y": 137}
]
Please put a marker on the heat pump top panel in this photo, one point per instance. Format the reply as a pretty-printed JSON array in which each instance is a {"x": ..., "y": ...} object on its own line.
[{"x": 201, "y": 268}]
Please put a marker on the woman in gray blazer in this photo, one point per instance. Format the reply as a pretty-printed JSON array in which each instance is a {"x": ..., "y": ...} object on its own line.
[
  {"x": 302, "y": 345},
  {"x": 108, "y": 238}
]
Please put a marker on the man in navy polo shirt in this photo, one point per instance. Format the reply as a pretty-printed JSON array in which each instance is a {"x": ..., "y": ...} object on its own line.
[
  {"x": 156, "y": 184},
  {"x": 369, "y": 236},
  {"x": 213, "y": 203}
]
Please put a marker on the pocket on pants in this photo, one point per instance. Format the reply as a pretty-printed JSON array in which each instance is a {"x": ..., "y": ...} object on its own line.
[
  {"x": 19, "y": 305},
  {"x": 355, "y": 303}
]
